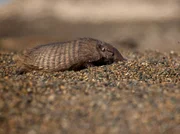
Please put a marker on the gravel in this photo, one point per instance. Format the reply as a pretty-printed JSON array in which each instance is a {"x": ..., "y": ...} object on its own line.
[{"x": 141, "y": 95}]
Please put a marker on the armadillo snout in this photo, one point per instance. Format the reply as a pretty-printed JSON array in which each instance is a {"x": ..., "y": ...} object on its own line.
[{"x": 118, "y": 56}]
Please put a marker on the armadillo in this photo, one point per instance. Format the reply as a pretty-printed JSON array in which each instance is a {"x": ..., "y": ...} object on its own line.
[{"x": 70, "y": 55}]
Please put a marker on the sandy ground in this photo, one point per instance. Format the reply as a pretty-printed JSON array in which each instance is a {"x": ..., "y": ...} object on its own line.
[{"x": 141, "y": 95}]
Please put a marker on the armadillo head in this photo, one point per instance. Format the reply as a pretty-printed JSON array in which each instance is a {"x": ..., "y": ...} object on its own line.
[{"x": 109, "y": 53}]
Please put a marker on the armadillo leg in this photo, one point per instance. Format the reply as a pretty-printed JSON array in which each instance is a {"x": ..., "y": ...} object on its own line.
[
  {"x": 87, "y": 65},
  {"x": 21, "y": 70}
]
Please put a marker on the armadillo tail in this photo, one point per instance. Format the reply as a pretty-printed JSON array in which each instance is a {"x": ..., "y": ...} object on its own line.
[
  {"x": 20, "y": 64},
  {"x": 17, "y": 59}
]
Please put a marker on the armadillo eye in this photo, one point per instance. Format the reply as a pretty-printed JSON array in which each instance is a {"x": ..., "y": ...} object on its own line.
[{"x": 103, "y": 49}]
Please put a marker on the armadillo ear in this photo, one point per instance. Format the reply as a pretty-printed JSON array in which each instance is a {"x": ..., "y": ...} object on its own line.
[{"x": 101, "y": 47}]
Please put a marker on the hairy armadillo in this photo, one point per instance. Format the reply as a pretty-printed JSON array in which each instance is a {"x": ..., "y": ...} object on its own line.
[{"x": 70, "y": 55}]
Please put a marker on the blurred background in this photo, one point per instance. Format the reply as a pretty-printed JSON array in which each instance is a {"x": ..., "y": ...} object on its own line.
[{"x": 127, "y": 24}]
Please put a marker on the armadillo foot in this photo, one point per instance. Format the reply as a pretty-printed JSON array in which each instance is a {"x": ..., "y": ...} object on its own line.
[
  {"x": 21, "y": 70},
  {"x": 87, "y": 65}
]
